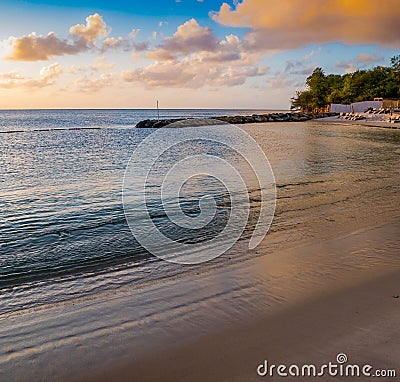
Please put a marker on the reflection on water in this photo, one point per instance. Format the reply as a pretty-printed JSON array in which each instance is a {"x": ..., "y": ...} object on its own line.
[{"x": 63, "y": 232}]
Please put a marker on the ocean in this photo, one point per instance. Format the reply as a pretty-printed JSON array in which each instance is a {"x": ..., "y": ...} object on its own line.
[{"x": 63, "y": 230}]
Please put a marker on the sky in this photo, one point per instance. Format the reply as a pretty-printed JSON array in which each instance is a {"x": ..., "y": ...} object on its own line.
[{"x": 185, "y": 53}]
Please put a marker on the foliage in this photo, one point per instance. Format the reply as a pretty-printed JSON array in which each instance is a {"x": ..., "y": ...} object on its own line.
[{"x": 362, "y": 85}]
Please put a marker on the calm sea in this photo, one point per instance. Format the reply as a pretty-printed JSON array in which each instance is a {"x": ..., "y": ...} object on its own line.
[{"x": 63, "y": 232}]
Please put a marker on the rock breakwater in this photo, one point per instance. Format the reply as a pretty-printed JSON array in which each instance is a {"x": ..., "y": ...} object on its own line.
[{"x": 242, "y": 119}]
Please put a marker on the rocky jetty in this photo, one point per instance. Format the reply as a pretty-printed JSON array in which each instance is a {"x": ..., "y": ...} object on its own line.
[{"x": 241, "y": 119}]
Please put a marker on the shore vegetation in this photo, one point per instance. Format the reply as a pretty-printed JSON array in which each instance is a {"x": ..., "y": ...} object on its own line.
[{"x": 362, "y": 85}]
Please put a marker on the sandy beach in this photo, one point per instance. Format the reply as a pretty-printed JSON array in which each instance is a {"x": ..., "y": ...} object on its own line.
[
  {"x": 199, "y": 191},
  {"x": 344, "y": 304},
  {"x": 370, "y": 120},
  {"x": 324, "y": 281},
  {"x": 358, "y": 320},
  {"x": 302, "y": 306}
]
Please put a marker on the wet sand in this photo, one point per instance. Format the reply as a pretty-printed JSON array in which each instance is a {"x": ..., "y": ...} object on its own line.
[
  {"x": 303, "y": 305},
  {"x": 360, "y": 321}
]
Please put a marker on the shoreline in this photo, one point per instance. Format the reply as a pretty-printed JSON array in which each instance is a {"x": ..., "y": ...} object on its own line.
[
  {"x": 219, "y": 326},
  {"x": 314, "y": 332},
  {"x": 326, "y": 317},
  {"x": 321, "y": 283},
  {"x": 357, "y": 314}
]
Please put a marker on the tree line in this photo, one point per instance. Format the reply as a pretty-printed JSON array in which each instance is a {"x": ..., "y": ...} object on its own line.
[{"x": 361, "y": 85}]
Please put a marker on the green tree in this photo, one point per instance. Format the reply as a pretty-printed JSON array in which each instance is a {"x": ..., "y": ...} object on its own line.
[
  {"x": 318, "y": 87},
  {"x": 362, "y": 85},
  {"x": 395, "y": 61}
]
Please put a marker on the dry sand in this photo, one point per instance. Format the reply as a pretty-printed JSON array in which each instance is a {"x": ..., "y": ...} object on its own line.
[
  {"x": 362, "y": 322},
  {"x": 371, "y": 120}
]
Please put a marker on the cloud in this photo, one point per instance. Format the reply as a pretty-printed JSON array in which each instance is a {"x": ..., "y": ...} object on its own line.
[
  {"x": 195, "y": 57},
  {"x": 160, "y": 74},
  {"x": 192, "y": 39},
  {"x": 298, "y": 67},
  {"x": 141, "y": 46},
  {"x": 310, "y": 55},
  {"x": 348, "y": 67},
  {"x": 13, "y": 75},
  {"x": 134, "y": 32},
  {"x": 230, "y": 49},
  {"x": 191, "y": 72},
  {"x": 47, "y": 77},
  {"x": 94, "y": 28},
  {"x": 100, "y": 64},
  {"x": 92, "y": 85},
  {"x": 280, "y": 81},
  {"x": 40, "y": 48},
  {"x": 294, "y": 23},
  {"x": 115, "y": 43},
  {"x": 362, "y": 61},
  {"x": 189, "y": 38},
  {"x": 127, "y": 44},
  {"x": 369, "y": 58}
]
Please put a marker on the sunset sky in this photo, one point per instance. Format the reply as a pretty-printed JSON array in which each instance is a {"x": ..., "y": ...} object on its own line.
[{"x": 186, "y": 53}]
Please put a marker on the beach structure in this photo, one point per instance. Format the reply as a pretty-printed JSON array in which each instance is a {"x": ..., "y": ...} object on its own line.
[
  {"x": 355, "y": 107},
  {"x": 361, "y": 107},
  {"x": 391, "y": 103}
]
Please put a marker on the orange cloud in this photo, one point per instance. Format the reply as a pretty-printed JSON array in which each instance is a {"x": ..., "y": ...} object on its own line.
[
  {"x": 41, "y": 48},
  {"x": 293, "y": 23},
  {"x": 94, "y": 28}
]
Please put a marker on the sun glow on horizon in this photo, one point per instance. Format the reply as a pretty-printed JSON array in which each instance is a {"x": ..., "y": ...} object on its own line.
[{"x": 252, "y": 55}]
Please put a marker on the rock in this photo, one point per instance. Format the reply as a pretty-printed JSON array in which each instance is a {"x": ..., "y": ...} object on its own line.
[
  {"x": 239, "y": 119},
  {"x": 144, "y": 123}
]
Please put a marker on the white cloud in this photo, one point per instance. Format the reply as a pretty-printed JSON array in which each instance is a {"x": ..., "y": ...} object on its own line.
[{"x": 47, "y": 77}]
